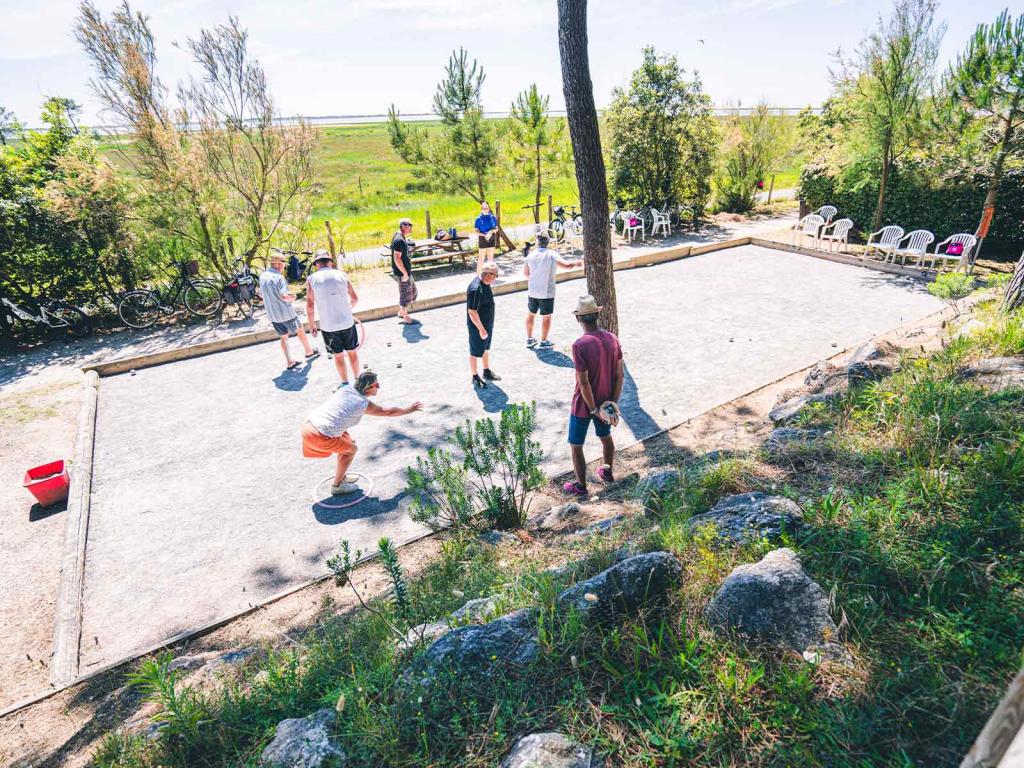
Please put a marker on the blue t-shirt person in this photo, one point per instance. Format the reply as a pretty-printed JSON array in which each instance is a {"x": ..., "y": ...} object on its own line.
[{"x": 485, "y": 222}]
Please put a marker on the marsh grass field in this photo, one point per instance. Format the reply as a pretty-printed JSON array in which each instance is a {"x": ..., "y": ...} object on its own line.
[{"x": 363, "y": 188}]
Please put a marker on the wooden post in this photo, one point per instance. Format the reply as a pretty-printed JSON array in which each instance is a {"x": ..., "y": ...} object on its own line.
[
  {"x": 549, "y": 209},
  {"x": 771, "y": 186},
  {"x": 429, "y": 230},
  {"x": 231, "y": 247},
  {"x": 330, "y": 238}
]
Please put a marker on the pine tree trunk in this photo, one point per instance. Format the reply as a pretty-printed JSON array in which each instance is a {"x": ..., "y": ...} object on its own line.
[
  {"x": 996, "y": 176},
  {"x": 876, "y": 224},
  {"x": 581, "y": 114},
  {"x": 1014, "y": 298}
]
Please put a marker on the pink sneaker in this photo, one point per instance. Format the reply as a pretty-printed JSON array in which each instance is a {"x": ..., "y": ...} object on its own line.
[
  {"x": 574, "y": 489},
  {"x": 604, "y": 473}
]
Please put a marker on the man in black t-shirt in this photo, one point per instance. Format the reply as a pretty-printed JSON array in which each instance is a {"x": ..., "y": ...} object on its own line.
[
  {"x": 401, "y": 270},
  {"x": 480, "y": 323}
]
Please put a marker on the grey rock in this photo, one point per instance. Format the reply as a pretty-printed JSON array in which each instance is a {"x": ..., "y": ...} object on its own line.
[
  {"x": 825, "y": 378},
  {"x": 748, "y": 517},
  {"x": 774, "y": 601},
  {"x": 230, "y": 658},
  {"x": 186, "y": 663},
  {"x": 472, "y": 612},
  {"x": 550, "y": 750},
  {"x": 785, "y": 412},
  {"x": 601, "y": 526},
  {"x": 784, "y": 439},
  {"x": 655, "y": 486},
  {"x": 872, "y": 361},
  {"x": 624, "y": 589},
  {"x": 304, "y": 743},
  {"x": 494, "y": 538},
  {"x": 555, "y": 516},
  {"x": 997, "y": 372},
  {"x": 477, "y": 651}
]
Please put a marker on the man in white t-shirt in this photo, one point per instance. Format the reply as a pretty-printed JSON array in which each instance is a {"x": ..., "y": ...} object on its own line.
[
  {"x": 330, "y": 299},
  {"x": 540, "y": 269},
  {"x": 325, "y": 431}
]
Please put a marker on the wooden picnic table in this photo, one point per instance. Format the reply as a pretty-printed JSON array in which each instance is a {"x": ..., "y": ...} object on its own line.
[{"x": 425, "y": 251}]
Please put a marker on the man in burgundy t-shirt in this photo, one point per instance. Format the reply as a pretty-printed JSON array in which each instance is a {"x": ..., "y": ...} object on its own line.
[{"x": 597, "y": 357}]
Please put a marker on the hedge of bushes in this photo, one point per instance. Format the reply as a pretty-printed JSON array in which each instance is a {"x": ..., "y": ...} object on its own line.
[{"x": 916, "y": 200}]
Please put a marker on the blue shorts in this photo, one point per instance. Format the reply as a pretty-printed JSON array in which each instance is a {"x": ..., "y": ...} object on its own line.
[{"x": 578, "y": 428}]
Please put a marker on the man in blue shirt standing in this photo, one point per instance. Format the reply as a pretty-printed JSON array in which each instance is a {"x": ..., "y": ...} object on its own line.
[
  {"x": 278, "y": 301},
  {"x": 486, "y": 227}
]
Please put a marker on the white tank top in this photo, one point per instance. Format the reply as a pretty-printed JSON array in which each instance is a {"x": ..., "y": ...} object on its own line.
[
  {"x": 339, "y": 414},
  {"x": 330, "y": 290}
]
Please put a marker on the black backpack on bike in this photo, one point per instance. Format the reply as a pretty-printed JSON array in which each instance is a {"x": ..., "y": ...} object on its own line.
[{"x": 294, "y": 269}]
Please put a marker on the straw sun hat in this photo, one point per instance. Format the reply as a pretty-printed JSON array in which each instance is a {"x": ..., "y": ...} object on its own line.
[{"x": 586, "y": 305}]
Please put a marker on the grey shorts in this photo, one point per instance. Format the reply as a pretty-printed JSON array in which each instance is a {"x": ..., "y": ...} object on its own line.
[
  {"x": 287, "y": 328},
  {"x": 407, "y": 291}
]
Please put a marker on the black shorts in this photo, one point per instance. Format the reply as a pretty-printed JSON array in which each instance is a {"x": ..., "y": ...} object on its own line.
[
  {"x": 478, "y": 346},
  {"x": 287, "y": 328},
  {"x": 543, "y": 306},
  {"x": 344, "y": 340},
  {"x": 488, "y": 242}
]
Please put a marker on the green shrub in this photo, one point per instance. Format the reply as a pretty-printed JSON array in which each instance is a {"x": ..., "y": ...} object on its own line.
[
  {"x": 918, "y": 198},
  {"x": 489, "y": 480},
  {"x": 951, "y": 286}
]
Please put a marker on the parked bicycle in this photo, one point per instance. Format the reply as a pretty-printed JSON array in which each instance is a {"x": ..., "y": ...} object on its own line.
[
  {"x": 199, "y": 296},
  {"x": 296, "y": 269},
  {"x": 240, "y": 291},
  {"x": 57, "y": 317},
  {"x": 556, "y": 227}
]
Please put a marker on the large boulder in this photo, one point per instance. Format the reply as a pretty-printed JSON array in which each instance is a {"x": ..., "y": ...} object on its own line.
[
  {"x": 304, "y": 743},
  {"x": 474, "y": 611},
  {"x": 774, "y": 601},
  {"x": 872, "y": 361},
  {"x": 655, "y": 486},
  {"x": 997, "y": 372},
  {"x": 550, "y": 750},
  {"x": 624, "y": 589},
  {"x": 749, "y": 517},
  {"x": 477, "y": 651}
]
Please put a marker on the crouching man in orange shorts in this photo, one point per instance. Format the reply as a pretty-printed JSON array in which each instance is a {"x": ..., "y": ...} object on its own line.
[{"x": 326, "y": 429}]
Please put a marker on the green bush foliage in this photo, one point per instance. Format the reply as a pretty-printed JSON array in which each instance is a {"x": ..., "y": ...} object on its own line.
[
  {"x": 662, "y": 137},
  {"x": 488, "y": 479},
  {"x": 63, "y": 216}
]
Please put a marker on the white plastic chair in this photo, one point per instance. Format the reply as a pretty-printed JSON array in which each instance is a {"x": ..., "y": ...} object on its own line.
[
  {"x": 827, "y": 212},
  {"x": 809, "y": 226},
  {"x": 838, "y": 233},
  {"x": 660, "y": 222},
  {"x": 917, "y": 246},
  {"x": 628, "y": 231},
  {"x": 884, "y": 241},
  {"x": 968, "y": 242}
]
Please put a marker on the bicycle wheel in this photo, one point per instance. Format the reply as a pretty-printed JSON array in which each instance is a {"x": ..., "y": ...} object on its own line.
[
  {"x": 138, "y": 309},
  {"x": 246, "y": 309},
  {"x": 556, "y": 230},
  {"x": 19, "y": 332},
  {"x": 203, "y": 298},
  {"x": 77, "y": 323}
]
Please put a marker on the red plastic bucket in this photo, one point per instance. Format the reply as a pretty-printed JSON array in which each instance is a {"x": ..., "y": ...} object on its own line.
[{"x": 48, "y": 483}]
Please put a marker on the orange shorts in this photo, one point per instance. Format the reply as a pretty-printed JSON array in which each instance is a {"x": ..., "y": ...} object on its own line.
[{"x": 317, "y": 446}]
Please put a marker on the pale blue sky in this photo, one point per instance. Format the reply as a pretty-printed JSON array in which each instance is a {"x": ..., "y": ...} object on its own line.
[{"x": 358, "y": 56}]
